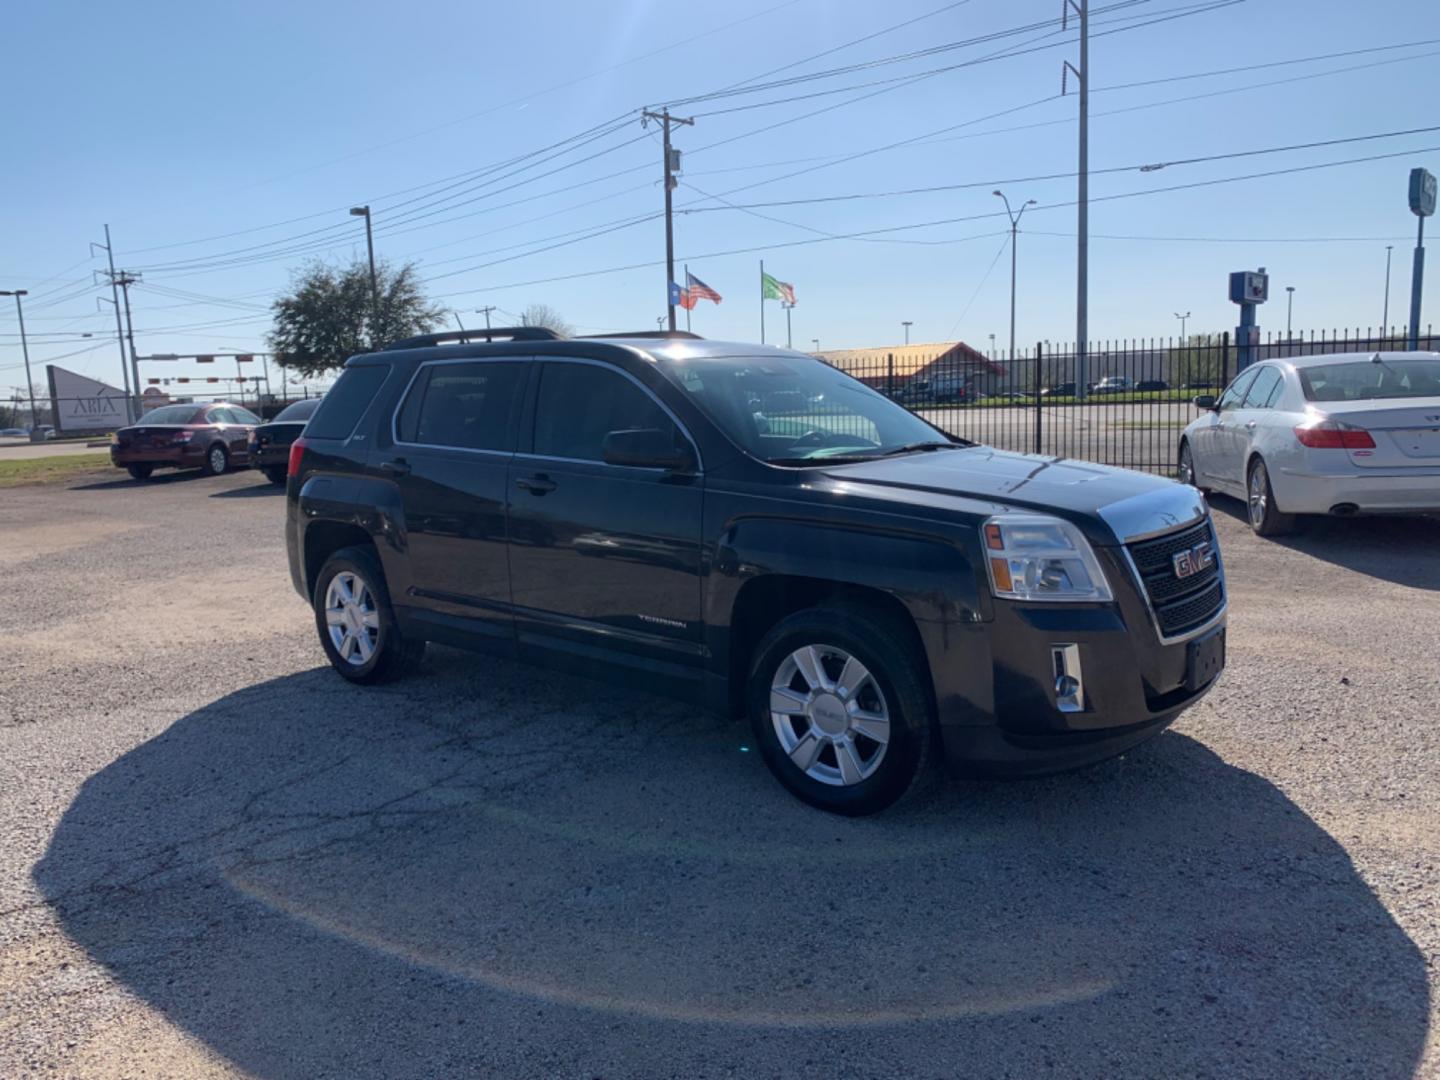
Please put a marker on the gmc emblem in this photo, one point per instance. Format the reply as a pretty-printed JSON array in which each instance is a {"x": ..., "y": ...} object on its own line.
[{"x": 1188, "y": 563}]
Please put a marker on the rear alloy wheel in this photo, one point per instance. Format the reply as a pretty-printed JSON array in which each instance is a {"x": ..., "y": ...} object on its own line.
[
  {"x": 839, "y": 708},
  {"x": 216, "y": 461},
  {"x": 1265, "y": 517},
  {"x": 1186, "y": 468},
  {"x": 355, "y": 622},
  {"x": 140, "y": 472}
]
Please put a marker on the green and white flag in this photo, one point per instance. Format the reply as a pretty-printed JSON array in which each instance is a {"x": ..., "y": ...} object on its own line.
[{"x": 772, "y": 288}]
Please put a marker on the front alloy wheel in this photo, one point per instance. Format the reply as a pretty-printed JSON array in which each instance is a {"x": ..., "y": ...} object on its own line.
[{"x": 829, "y": 715}]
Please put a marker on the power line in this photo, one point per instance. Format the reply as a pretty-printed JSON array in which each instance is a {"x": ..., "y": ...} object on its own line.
[{"x": 1145, "y": 167}]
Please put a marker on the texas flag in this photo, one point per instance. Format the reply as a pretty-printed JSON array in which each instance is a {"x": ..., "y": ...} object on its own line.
[{"x": 681, "y": 297}]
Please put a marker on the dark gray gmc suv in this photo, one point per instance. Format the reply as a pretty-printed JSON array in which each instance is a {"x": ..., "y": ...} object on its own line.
[{"x": 752, "y": 530}]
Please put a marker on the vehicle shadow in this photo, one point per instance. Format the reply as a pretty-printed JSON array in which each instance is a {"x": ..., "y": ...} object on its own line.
[
  {"x": 467, "y": 873},
  {"x": 1403, "y": 550},
  {"x": 158, "y": 479},
  {"x": 262, "y": 489}
]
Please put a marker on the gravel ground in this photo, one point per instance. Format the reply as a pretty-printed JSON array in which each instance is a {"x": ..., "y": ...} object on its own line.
[{"x": 216, "y": 858}]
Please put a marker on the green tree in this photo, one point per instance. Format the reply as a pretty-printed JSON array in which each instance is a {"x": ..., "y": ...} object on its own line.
[
  {"x": 328, "y": 315},
  {"x": 1197, "y": 361}
]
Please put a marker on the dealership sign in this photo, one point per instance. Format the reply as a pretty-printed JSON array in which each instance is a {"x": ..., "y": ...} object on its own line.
[{"x": 83, "y": 404}]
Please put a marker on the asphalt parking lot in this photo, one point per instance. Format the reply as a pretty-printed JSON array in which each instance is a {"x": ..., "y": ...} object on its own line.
[{"x": 217, "y": 858}]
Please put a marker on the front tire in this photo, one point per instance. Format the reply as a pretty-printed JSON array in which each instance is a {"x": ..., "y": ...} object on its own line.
[
  {"x": 839, "y": 708},
  {"x": 1186, "y": 467},
  {"x": 140, "y": 472},
  {"x": 1265, "y": 517},
  {"x": 217, "y": 460},
  {"x": 274, "y": 473},
  {"x": 355, "y": 621}
]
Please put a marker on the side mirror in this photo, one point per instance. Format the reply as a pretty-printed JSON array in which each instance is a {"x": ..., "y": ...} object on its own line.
[
  {"x": 1203, "y": 401},
  {"x": 647, "y": 448}
]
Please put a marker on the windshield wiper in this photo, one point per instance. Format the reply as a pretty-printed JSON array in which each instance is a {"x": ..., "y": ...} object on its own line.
[{"x": 915, "y": 447}]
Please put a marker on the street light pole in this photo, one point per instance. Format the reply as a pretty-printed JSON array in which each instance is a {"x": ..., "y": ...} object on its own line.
[
  {"x": 364, "y": 211},
  {"x": 1385, "y": 318},
  {"x": 1014, "y": 232},
  {"x": 907, "y": 323},
  {"x": 1182, "y": 319},
  {"x": 1289, "y": 308},
  {"x": 789, "y": 344},
  {"x": 25, "y": 350},
  {"x": 816, "y": 342}
]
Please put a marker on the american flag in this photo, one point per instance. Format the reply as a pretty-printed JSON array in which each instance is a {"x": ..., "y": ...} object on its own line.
[{"x": 698, "y": 290}]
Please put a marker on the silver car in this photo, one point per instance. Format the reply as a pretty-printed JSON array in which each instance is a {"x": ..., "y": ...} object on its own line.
[{"x": 1346, "y": 433}]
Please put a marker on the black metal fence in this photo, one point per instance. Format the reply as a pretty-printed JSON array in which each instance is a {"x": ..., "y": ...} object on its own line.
[{"x": 1136, "y": 399}]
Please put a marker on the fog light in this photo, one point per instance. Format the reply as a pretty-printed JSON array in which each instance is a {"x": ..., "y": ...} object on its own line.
[{"x": 1069, "y": 681}]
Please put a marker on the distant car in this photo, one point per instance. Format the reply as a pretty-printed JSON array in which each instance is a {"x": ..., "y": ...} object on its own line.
[
  {"x": 1343, "y": 434},
  {"x": 211, "y": 438},
  {"x": 270, "y": 443},
  {"x": 13, "y": 433},
  {"x": 1113, "y": 384},
  {"x": 1152, "y": 384},
  {"x": 1064, "y": 389}
]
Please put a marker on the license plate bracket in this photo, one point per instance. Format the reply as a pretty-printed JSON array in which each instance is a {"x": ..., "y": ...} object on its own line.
[{"x": 1204, "y": 659}]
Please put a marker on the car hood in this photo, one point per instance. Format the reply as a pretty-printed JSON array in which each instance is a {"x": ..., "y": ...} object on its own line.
[{"x": 1111, "y": 505}]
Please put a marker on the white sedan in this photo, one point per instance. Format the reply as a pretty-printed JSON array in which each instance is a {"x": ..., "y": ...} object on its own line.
[{"x": 1346, "y": 433}]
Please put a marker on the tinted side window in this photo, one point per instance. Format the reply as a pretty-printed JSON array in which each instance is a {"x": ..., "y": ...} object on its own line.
[
  {"x": 579, "y": 404},
  {"x": 1267, "y": 382},
  {"x": 1236, "y": 393},
  {"x": 340, "y": 410},
  {"x": 469, "y": 406},
  {"x": 218, "y": 416},
  {"x": 242, "y": 416}
]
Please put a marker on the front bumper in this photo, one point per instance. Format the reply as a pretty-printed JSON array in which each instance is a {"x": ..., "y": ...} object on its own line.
[{"x": 1413, "y": 491}]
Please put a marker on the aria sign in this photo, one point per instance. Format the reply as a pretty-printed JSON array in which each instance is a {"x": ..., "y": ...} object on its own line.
[{"x": 83, "y": 404}]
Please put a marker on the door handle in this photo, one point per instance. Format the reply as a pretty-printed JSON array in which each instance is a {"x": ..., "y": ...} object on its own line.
[
  {"x": 538, "y": 484},
  {"x": 398, "y": 467}
]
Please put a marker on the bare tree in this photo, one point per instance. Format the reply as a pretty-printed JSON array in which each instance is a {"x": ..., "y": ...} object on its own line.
[{"x": 546, "y": 316}]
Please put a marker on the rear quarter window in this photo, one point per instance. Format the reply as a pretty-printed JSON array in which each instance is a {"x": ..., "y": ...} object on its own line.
[{"x": 340, "y": 410}]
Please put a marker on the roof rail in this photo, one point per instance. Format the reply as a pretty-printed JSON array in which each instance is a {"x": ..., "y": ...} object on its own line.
[
  {"x": 499, "y": 333},
  {"x": 682, "y": 335}
]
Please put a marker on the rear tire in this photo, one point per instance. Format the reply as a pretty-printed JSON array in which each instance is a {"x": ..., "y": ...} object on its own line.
[
  {"x": 1265, "y": 517},
  {"x": 355, "y": 621},
  {"x": 140, "y": 472},
  {"x": 217, "y": 460},
  {"x": 274, "y": 473},
  {"x": 857, "y": 726}
]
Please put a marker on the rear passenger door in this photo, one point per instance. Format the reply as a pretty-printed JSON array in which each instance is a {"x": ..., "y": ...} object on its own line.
[
  {"x": 604, "y": 559},
  {"x": 454, "y": 433}
]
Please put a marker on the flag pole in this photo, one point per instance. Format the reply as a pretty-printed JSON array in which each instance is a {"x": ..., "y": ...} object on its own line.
[
  {"x": 762, "y": 301},
  {"x": 688, "y": 306}
]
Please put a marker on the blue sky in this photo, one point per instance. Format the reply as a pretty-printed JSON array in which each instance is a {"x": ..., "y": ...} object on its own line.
[{"x": 178, "y": 123}]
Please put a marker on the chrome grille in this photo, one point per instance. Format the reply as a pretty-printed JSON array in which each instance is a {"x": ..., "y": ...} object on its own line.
[{"x": 1180, "y": 604}]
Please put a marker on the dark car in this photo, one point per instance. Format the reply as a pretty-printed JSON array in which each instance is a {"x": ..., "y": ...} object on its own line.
[
  {"x": 1152, "y": 385},
  {"x": 868, "y": 590},
  {"x": 270, "y": 443},
  {"x": 212, "y": 438}
]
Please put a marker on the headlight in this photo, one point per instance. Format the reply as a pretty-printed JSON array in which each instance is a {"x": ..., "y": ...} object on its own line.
[{"x": 1037, "y": 557}]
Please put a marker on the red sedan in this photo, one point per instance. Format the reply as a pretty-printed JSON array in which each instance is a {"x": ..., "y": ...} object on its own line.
[{"x": 211, "y": 438}]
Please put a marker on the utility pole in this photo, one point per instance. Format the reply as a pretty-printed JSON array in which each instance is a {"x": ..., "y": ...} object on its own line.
[
  {"x": 907, "y": 323},
  {"x": 130, "y": 414},
  {"x": 671, "y": 163},
  {"x": 1082, "y": 225},
  {"x": 816, "y": 342},
  {"x": 1182, "y": 319},
  {"x": 364, "y": 211},
  {"x": 25, "y": 351},
  {"x": 1014, "y": 233},
  {"x": 1385, "y": 318},
  {"x": 124, "y": 279},
  {"x": 486, "y": 312}
]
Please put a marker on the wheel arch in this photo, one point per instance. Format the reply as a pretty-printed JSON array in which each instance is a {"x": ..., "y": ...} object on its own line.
[{"x": 323, "y": 539}]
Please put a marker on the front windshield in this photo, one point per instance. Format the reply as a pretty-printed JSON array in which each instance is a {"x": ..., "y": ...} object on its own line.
[{"x": 797, "y": 411}]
